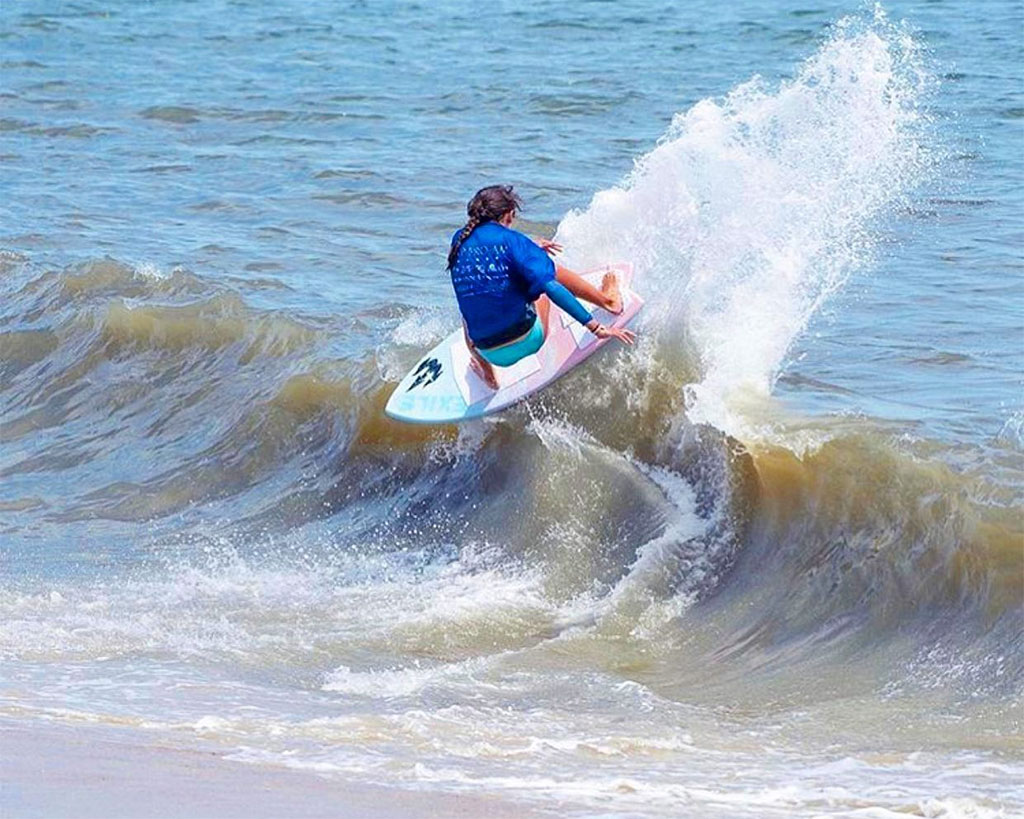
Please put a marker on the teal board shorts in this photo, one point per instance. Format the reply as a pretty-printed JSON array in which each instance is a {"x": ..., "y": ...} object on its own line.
[{"x": 509, "y": 354}]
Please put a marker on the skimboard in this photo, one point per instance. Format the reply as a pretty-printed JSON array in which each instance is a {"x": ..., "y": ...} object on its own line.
[{"x": 443, "y": 387}]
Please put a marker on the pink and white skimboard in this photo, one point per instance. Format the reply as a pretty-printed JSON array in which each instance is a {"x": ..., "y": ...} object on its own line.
[{"x": 443, "y": 388}]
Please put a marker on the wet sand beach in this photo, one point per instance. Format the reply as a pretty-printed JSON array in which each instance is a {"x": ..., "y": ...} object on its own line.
[{"x": 97, "y": 772}]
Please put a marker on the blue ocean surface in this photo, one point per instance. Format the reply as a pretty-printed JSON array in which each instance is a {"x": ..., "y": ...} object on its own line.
[{"x": 770, "y": 562}]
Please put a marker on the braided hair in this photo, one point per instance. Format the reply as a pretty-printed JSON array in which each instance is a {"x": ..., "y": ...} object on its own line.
[{"x": 488, "y": 205}]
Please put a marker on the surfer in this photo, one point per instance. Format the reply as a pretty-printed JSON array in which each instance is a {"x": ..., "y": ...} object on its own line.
[{"x": 505, "y": 283}]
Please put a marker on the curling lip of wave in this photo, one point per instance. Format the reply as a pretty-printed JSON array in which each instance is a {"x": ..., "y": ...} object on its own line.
[{"x": 754, "y": 209}]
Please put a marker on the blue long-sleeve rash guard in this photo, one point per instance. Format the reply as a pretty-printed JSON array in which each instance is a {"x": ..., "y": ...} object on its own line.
[{"x": 497, "y": 276}]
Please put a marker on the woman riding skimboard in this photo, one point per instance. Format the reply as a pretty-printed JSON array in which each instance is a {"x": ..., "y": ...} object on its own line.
[{"x": 505, "y": 283}]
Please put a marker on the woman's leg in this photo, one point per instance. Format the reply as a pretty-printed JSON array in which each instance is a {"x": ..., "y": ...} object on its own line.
[
  {"x": 607, "y": 297},
  {"x": 480, "y": 364},
  {"x": 543, "y": 305}
]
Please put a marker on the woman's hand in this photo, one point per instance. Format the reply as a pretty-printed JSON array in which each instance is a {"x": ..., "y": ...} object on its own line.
[
  {"x": 549, "y": 246},
  {"x": 623, "y": 335}
]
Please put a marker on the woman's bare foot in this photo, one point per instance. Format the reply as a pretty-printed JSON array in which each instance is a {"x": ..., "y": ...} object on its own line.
[
  {"x": 610, "y": 290},
  {"x": 484, "y": 369}
]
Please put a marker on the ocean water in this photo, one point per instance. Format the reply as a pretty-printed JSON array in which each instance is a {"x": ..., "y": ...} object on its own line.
[{"x": 770, "y": 562}]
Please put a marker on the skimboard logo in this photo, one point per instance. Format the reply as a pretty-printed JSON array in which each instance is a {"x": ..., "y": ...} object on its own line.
[{"x": 427, "y": 373}]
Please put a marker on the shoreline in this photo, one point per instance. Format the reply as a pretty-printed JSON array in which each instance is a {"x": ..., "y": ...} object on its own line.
[{"x": 53, "y": 771}]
